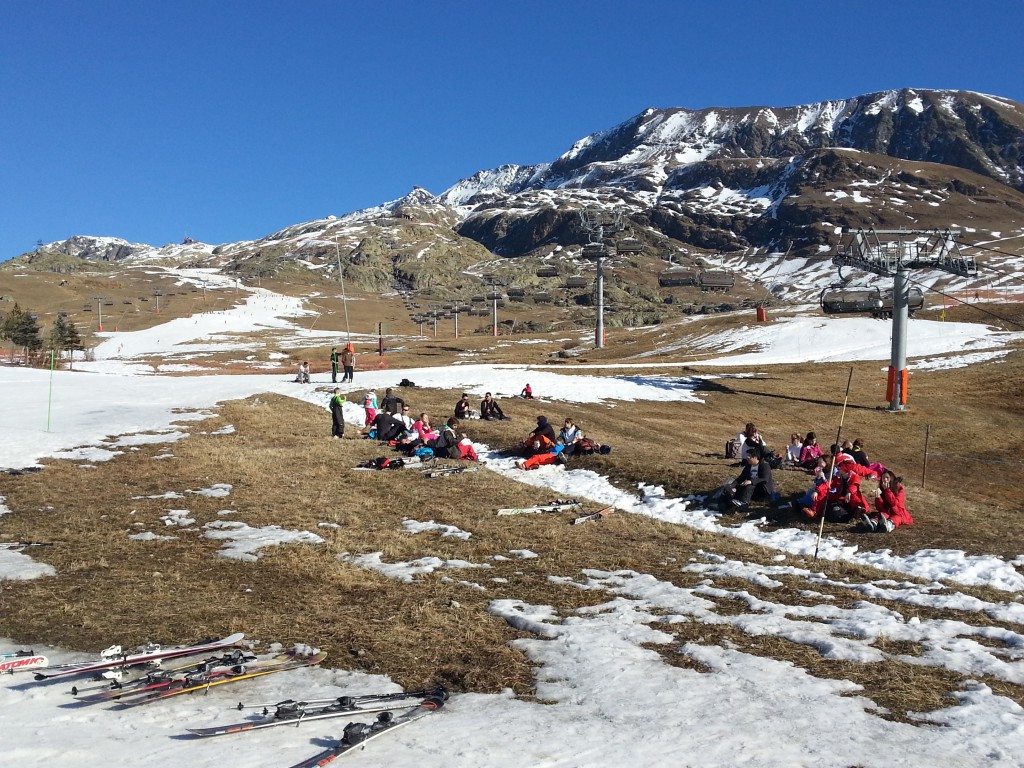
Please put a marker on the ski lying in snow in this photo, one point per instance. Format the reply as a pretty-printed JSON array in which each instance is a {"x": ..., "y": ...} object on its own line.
[
  {"x": 357, "y": 734},
  {"x": 591, "y": 516},
  {"x": 559, "y": 505},
  {"x": 445, "y": 471},
  {"x": 165, "y": 679},
  {"x": 297, "y": 712},
  {"x": 114, "y": 658},
  {"x": 20, "y": 544},
  {"x": 203, "y": 682},
  {"x": 21, "y": 661}
]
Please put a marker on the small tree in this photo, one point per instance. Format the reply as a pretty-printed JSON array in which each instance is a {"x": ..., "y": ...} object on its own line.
[
  {"x": 64, "y": 336},
  {"x": 22, "y": 329},
  {"x": 10, "y": 321}
]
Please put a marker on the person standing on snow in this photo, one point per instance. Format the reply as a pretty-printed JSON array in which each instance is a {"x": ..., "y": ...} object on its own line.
[
  {"x": 334, "y": 365},
  {"x": 348, "y": 362},
  {"x": 370, "y": 405}
]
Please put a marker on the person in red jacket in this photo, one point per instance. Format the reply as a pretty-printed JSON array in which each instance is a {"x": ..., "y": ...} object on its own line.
[
  {"x": 890, "y": 505},
  {"x": 844, "y": 500}
]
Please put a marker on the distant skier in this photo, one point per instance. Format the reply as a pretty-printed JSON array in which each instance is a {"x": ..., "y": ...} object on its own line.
[
  {"x": 527, "y": 392},
  {"x": 334, "y": 365}
]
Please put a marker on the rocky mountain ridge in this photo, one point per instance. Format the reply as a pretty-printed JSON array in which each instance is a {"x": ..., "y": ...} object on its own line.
[{"x": 690, "y": 184}]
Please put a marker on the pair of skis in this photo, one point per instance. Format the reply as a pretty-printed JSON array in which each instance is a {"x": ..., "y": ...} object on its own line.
[
  {"x": 115, "y": 660},
  {"x": 558, "y": 505},
  {"x": 163, "y": 679},
  {"x": 203, "y": 681},
  {"x": 356, "y": 735},
  {"x": 23, "y": 544},
  {"x": 292, "y": 712},
  {"x": 457, "y": 469},
  {"x": 592, "y": 516}
]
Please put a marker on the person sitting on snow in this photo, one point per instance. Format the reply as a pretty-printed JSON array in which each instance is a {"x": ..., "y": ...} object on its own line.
[
  {"x": 542, "y": 452},
  {"x": 569, "y": 436},
  {"x": 545, "y": 429},
  {"x": 527, "y": 393}
]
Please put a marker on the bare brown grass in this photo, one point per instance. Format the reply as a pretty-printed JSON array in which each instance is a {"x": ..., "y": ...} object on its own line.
[{"x": 285, "y": 471}]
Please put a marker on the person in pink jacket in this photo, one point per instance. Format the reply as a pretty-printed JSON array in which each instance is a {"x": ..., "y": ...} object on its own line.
[
  {"x": 423, "y": 429},
  {"x": 810, "y": 452}
]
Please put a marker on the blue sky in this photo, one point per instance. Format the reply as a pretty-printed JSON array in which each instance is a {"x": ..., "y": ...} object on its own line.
[{"x": 228, "y": 120}]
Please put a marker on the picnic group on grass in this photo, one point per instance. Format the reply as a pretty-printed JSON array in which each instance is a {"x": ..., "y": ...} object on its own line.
[{"x": 835, "y": 493}]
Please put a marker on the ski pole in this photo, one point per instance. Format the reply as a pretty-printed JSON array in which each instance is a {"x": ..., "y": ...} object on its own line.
[{"x": 832, "y": 469}]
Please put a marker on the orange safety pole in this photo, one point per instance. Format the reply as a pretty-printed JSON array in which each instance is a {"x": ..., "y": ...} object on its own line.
[{"x": 890, "y": 385}]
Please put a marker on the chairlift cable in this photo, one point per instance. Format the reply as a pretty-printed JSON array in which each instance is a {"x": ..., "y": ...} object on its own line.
[
  {"x": 344, "y": 294},
  {"x": 961, "y": 301}
]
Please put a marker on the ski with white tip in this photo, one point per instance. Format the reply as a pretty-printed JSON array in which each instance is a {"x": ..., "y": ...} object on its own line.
[{"x": 114, "y": 658}]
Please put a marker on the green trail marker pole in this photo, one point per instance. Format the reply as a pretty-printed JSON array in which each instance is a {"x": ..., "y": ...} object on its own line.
[{"x": 49, "y": 405}]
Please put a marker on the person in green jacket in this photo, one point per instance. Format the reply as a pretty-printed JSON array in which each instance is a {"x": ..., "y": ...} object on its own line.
[{"x": 338, "y": 414}]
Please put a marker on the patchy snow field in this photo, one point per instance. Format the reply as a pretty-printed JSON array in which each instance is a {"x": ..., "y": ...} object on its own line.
[{"x": 612, "y": 701}]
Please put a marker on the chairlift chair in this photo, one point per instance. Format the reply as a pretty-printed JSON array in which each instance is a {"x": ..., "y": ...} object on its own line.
[
  {"x": 677, "y": 276},
  {"x": 629, "y": 245}
]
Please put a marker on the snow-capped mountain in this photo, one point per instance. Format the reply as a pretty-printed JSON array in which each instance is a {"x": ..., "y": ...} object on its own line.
[{"x": 710, "y": 180}]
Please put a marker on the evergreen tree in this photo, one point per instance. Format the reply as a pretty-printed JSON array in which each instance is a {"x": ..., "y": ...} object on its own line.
[
  {"x": 10, "y": 321},
  {"x": 64, "y": 336},
  {"x": 58, "y": 334},
  {"x": 22, "y": 330},
  {"x": 73, "y": 340}
]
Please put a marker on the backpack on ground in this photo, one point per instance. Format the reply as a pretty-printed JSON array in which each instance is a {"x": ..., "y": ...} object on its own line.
[
  {"x": 588, "y": 446},
  {"x": 732, "y": 449},
  {"x": 423, "y": 453}
]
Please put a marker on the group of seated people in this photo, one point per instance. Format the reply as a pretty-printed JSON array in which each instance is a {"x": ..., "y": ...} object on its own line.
[
  {"x": 543, "y": 446},
  {"x": 394, "y": 425},
  {"x": 489, "y": 409},
  {"x": 838, "y": 498}
]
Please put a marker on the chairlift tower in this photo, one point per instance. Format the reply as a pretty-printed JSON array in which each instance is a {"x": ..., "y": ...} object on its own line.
[
  {"x": 99, "y": 309},
  {"x": 601, "y": 226},
  {"x": 493, "y": 282},
  {"x": 894, "y": 252}
]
